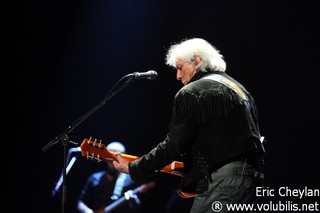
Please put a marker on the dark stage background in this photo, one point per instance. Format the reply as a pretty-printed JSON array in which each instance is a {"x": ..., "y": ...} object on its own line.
[{"x": 67, "y": 55}]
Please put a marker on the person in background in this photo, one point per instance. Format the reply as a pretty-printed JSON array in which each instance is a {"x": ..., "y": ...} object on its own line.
[
  {"x": 214, "y": 131},
  {"x": 105, "y": 187}
]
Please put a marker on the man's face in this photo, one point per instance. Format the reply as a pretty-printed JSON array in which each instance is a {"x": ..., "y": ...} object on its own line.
[
  {"x": 185, "y": 71},
  {"x": 110, "y": 168}
]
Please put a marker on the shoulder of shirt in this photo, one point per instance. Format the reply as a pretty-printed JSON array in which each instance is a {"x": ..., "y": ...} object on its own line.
[{"x": 199, "y": 85}]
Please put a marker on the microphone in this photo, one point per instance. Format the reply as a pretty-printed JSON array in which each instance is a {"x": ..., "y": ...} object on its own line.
[{"x": 151, "y": 74}]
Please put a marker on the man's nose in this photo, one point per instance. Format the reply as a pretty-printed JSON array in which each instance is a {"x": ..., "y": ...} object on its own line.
[{"x": 178, "y": 75}]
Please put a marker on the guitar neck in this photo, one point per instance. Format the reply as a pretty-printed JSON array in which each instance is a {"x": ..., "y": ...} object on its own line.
[
  {"x": 174, "y": 168},
  {"x": 98, "y": 151},
  {"x": 115, "y": 204},
  {"x": 129, "y": 195},
  {"x": 125, "y": 156}
]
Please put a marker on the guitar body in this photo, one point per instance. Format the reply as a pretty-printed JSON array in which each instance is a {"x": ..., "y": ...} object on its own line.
[{"x": 97, "y": 151}]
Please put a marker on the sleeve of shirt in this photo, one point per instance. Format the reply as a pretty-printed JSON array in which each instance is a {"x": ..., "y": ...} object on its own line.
[
  {"x": 148, "y": 165},
  {"x": 184, "y": 122},
  {"x": 182, "y": 131}
]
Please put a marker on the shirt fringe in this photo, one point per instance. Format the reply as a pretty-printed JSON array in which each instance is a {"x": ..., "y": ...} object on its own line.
[{"x": 216, "y": 104}]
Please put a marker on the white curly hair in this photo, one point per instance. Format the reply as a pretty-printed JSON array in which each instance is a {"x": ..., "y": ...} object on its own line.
[{"x": 211, "y": 59}]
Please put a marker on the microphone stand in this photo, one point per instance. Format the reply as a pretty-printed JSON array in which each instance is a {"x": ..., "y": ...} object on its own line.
[{"x": 64, "y": 139}]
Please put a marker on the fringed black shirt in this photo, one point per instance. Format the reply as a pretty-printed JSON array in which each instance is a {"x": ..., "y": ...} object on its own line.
[{"x": 211, "y": 125}]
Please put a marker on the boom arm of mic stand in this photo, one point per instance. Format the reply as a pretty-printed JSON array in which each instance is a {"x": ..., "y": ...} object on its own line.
[
  {"x": 65, "y": 139},
  {"x": 63, "y": 136}
]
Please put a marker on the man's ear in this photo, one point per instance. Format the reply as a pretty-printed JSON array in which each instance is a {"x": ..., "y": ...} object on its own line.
[{"x": 197, "y": 59}]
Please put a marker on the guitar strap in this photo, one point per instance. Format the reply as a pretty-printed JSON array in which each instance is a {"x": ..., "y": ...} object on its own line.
[{"x": 223, "y": 80}]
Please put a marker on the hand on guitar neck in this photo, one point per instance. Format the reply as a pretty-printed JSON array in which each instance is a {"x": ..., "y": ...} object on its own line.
[{"x": 121, "y": 164}]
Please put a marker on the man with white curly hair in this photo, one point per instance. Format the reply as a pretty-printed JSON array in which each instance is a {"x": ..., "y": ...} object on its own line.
[{"x": 214, "y": 131}]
